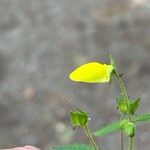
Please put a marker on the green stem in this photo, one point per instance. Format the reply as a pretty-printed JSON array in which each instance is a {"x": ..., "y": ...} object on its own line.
[
  {"x": 121, "y": 140},
  {"x": 124, "y": 92},
  {"x": 88, "y": 133},
  {"x": 131, "y": 142}
]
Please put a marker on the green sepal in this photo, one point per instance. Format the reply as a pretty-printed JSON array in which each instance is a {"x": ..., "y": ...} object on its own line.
[
  {"x": 134, "y": 105},
  {"x": 112, "y": 127},
  {"x": 127, "y": 127},
  {"x": 112, "y": 61},
  {"x": 113, "y": 64},
  {"x": 78, "y": 118},
  {"x": 73, "y": 147},
  {"x": 121, "y": 104}
]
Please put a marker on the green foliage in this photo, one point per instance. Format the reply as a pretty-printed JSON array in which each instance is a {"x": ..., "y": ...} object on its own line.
[
  {"x": 141, "y": 118},
  {"x": 78, "y": 118},
  {"x": 73, "y": 147},
  {"x": 127, "y": 107},
  {"x": 123, "y": 125},
  {"x": 115, "y": 126}
]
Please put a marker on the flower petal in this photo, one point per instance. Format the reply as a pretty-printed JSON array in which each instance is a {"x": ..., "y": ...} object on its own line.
[{"x": 92, "y": 72}]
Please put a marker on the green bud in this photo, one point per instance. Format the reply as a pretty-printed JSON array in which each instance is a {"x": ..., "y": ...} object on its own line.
[
  {"x": 78, "y": 118},
  {"x": 127, "y": 127}
]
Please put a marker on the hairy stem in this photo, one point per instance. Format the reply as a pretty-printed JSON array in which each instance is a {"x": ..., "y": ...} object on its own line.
[
  {"x": 88, "y": 133},
  {"x": 124, "y": 92},
  {"x": 121, "y": 140},
  {"x": 131, "y": 142}
]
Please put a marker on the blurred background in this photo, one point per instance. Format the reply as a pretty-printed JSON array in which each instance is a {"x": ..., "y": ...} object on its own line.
[{"x": 42, "y": 41}]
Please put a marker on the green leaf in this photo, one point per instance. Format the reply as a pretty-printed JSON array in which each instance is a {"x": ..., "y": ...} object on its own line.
[
  {"x": 141, "y": 118},
  {"x": 134, "y": 105},
  {"x": 73, "y": 147},
  {"x": 121, "y": 104},
  {"x": 127, "y": 127},
  {"x": 115, "y": 126},
  {"x": 78, "y": 118},
  {"x": 124, "y": 125}
]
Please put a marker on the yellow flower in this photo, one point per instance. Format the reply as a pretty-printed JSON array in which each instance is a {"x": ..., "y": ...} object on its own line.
[{"x": 92, "y": 72}]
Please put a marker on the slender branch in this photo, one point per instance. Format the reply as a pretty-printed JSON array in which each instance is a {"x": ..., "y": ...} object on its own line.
[
  {"x": 124, "y": 92},
  {"x": 121, "y": 136},
  {"x": 131, "y": 142},
  {"x": 121, "y": 140},
  {"x": 88, "y": 133}
]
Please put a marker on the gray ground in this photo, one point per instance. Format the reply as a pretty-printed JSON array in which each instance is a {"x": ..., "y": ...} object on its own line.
[{"x": 42, "y": 41}]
